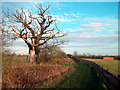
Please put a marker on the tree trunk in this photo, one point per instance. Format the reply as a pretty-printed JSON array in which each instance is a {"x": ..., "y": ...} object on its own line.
[
  {"x": 32, "y": 58},
  {"x": 37, "y": 54},
  {"x": 36, "y": 51}
]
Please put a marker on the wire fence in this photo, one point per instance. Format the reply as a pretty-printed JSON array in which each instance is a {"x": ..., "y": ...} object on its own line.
[{"x": 111, "y": 81}]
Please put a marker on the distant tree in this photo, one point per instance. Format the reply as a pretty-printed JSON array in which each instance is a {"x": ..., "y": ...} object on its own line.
[
  {"x": 37, "y": 30},
  {"x": 75, "y": 53}
]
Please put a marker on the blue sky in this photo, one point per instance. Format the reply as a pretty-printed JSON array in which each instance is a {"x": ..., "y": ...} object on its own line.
[{"x": 92, "y": 26}]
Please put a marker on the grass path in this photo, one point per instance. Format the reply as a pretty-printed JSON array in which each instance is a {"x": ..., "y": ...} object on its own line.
[{"x": 83, "y": 77}]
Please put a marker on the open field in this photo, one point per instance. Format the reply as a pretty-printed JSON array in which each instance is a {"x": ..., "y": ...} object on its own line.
[{"x": 109, "y": 65}]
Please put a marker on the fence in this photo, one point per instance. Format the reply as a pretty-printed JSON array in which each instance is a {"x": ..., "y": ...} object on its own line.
[{"x": 111, "y": 81}]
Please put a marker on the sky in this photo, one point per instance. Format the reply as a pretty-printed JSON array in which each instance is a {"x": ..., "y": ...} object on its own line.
[{"x": 92, "y": 26}]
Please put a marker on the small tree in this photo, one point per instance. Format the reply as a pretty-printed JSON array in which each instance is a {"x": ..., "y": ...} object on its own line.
[
  {"x": 52, "y": 53},
  {"x": 35, "y": 29},
  {"x": 75, "y": 53}
]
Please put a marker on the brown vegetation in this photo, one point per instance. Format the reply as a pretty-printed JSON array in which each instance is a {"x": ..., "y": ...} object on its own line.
[
  {"x": 64, "y": 61},
  {"x": 19, "y": 74}
]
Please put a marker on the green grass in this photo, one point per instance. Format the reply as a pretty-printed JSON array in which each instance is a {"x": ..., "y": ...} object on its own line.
[
  {"x": 110, "y": 65},
  {"x": 83, "y": 77},
  {"x": 15, "y": 58},
  {"x": 20, "y": 58}
]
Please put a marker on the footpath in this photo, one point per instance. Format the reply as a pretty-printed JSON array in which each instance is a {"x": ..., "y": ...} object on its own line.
[{"x": 83, "y": 76}]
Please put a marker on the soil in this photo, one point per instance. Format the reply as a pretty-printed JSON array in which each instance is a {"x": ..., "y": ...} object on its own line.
[{"x": 34, "y": 76}]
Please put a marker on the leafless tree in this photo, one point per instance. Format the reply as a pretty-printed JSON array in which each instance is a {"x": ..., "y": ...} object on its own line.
[{"x": 37, "y": 30}]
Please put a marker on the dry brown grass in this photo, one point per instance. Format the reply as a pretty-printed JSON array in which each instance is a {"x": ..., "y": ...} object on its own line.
[
  {"x": 18, "y": 74},
  {"x": 64, "y": 61}
]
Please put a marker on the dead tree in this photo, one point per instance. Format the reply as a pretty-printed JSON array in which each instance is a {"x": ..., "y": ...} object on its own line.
[{"x": 37, "y": 30}]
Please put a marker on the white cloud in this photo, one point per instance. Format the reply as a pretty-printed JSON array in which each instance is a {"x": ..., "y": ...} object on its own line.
[
  {"x": 59, "y": 8},
  {"x": 73, "y": 14},
  {"x": 90, "y": 45},
  {"x": 90, "y": 27},
  {"x": 71, "y": 30},
  {"x": 107, "y": 20},
  {"x": 77, "y": 37},
  {"x": 91, "y": 23},
  {"x": 63, "y": 20},
  {"x": 89, "y": 36},
  {"x": 105, "y": 24},
  {"x": 20, "y": 50},
  {"x": 66, "y": 14},
  {"x": 96, "y": 24},
  {"x": 55, "y": 16},
  {"x": 73, "y": 20},
  {"x": 110, "y": 30}
]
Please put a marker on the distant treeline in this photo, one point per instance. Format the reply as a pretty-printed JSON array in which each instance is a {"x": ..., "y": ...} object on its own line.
[
  {"x": 96, "y": 56},
  {"x": 78, "y": 56}
]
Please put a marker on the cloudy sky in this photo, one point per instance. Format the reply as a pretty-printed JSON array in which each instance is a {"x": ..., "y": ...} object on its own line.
[{"x": 92, "y": 26}]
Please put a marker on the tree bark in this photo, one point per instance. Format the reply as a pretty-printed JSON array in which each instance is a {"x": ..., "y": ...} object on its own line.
[
  {"x": 36, "y": 51},
  {"x": 36, "y": 54},
  {"x": 32, "y": 58}
]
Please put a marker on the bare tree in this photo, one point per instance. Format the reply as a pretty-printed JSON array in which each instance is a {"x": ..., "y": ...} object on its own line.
[
  {"x": 37, "y": 30},
  {"x": 4, "y": 40}
]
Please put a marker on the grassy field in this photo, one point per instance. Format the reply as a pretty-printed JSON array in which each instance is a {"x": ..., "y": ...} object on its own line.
[{"x": 109, "y": 65}]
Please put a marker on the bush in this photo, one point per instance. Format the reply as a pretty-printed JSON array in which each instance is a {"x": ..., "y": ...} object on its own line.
[{"x": 51, "y": 54}]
